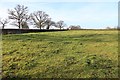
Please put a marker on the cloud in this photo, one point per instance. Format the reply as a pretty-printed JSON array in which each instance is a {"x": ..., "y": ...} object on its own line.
[{"x": 3, "y": 13}]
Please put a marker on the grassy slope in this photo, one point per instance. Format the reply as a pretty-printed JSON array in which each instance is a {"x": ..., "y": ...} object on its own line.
[{"x": 68, "y": 54}]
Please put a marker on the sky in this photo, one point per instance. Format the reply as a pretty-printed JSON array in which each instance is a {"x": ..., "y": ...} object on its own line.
[{"x": 89, "y": 14}]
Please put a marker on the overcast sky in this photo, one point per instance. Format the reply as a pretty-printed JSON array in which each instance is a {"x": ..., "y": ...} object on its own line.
[{"x": 86, "y": 13}]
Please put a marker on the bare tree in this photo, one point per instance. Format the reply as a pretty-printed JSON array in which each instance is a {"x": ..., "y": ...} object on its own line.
[
  {"x": 39, "y": 19},
  {"x": 108, "y": 27},
  {"x": 49, "y": 23},
  {"x": 60, "y": 24},
  {"x": 19, "y": 15},
  {"x": 3, "y": 22},
  {"x": 73, "y": 27},
  {"x": 25, "y": 25}
]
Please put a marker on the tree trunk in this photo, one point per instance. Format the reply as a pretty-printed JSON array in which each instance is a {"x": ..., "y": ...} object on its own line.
[
  {"x": 40, "y": 27},
  {"x": 48, "y": 27},
  {"x": 3, "y": 26},
  {"x": 19, "y": 25}
]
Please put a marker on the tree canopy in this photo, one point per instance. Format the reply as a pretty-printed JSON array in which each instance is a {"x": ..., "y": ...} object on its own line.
[{"x": 19, "y": 14}]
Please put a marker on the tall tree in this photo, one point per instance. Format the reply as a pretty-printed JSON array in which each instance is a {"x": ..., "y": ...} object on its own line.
[
  {"x": 39, "y": 19},
  {"x": 60, "y": 24},
  {"x": 49, "y": 23},
  {"x": 19, "y": 14},
  {"x": 3, "y": 22}
]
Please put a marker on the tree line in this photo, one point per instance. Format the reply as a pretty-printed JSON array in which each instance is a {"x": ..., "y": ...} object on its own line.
[{"x": 20, "y": 17}]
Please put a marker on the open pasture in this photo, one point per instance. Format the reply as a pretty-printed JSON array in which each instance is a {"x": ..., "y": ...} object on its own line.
[{"x": 66, "y": 54}]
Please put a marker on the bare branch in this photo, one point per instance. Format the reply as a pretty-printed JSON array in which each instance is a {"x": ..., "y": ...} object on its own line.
[
  {"x": 3, "y": 22},
  {"x": 19, "y": 14},
  {"x": 60, "y": 24},
  {"x": 39, "y": 18}
]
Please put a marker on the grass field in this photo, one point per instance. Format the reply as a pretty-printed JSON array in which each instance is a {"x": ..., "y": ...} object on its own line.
[{"x": 63, "y": 54}]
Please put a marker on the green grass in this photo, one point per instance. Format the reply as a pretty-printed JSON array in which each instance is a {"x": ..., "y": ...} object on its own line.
[{"x": 66, "y": 54}]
